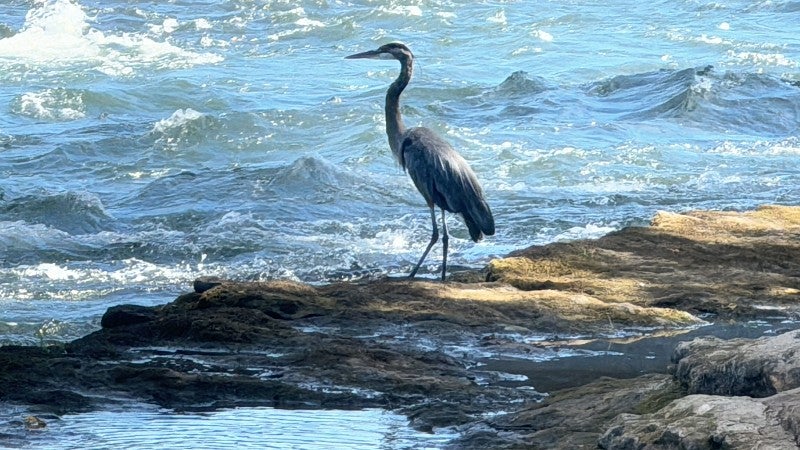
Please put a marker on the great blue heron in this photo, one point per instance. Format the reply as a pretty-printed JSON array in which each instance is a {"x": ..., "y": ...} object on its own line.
[{"x": 440, "y": 174}]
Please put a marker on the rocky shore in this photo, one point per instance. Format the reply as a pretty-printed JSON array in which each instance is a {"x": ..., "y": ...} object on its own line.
[{"x": 449, "y": 354}]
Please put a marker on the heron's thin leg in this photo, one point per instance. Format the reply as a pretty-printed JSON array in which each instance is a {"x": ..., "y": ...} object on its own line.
[
  {"x": 434, "y": 238},
  {"x": 444, "y": 244}
]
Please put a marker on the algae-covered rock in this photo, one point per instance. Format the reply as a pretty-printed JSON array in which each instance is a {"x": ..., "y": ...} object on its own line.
[{"x": 731, "y": 264}]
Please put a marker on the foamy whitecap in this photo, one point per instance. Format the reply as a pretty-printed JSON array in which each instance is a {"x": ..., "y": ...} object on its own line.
[
  {"x": 86, "y": 280},
  {"x": 177, "y": 119},
  {"x": 303, "y": 24},
  {"x": 542, "y": 35},
  {"x": 408, "y": 11},
  {"x": 306, "y": 22},
  {"x": 762, "y": 59},
  {"x": 788, "y": 147},
  {"x": 53, "y": 30},
  {"x": 51, "y": 272},
  {"x": 51, "y": 104},
  {"x": 498, "y": 18},
  {"x": 526, "y": 49},
  {"x": 590, "y": 231},
  {"x": 168, "y": 26},
  {"x": 202, "y": 24},
  {"x": 58, "y": 32},
  {"x": 713, "y": 40}
]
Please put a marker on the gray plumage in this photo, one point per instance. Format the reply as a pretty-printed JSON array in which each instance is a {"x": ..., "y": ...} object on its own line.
[{"x": 440, "y": 173}]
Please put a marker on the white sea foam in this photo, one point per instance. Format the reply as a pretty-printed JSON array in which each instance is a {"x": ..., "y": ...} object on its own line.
[
  {"x": 590, "y": 231},
  {"x": 786, "y": 147},
  {"x": 202, "y": 24},
  {"x": 57, "y": 32},
  {"x": 51, "y": 272},
  {"x": 407, "y": 11},
  {"x": 168, "y": 26},
  {"x": 306, "y": 22},
  {"x": 51, "y": 104},
  {"x": 178, "y": 118},
  {"x": 713, "y": 40},
  {"x": 499, "y": 18},
  {"x": 53, "y": 30},
  {"x": 302, "y": 24},
  {"x": 542, "y": 35},
  {"x": 762, "y": 59},
  {"x": 78, "y": 281}
]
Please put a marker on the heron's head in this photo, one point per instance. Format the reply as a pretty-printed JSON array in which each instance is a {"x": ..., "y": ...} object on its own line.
[{"x": 395, "y": 50}]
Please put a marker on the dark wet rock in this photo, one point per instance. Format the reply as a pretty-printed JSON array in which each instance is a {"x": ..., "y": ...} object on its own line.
[
  {"x": 756, "y": 368},
  {"x": 41, "y": 377},
  {"x": 572, "y": 418},
  {"x": 123, "y": 315},
  {"x": 279, "y": 344},
  {"x": 203, "y": 284}
]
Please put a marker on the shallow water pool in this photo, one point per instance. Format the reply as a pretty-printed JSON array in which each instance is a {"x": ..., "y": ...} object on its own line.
[{"x": 239, "y": 428}]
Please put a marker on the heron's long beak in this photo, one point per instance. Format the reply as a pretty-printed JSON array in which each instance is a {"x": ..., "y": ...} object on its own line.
[{"x": 372, "y": 54}]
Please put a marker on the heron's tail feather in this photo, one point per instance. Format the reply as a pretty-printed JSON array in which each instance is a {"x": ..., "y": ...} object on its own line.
[{"x": 479, "y": 220}]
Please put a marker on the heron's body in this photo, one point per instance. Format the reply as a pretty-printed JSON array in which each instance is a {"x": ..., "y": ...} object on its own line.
[
  {"x": 440, "y": 173},
  {"x": 445, "y": 179}
]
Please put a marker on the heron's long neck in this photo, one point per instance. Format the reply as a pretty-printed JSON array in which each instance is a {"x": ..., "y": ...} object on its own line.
[{"x": 394, "y": 121}]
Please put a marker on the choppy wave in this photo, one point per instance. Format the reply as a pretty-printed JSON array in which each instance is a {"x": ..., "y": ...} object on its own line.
[
  {"x": 727, "y": 101},
  {"x": 137, "y": 141},
  {"x": 520, "y": 83},
  {"x": 731, "y": 101},
  {"x": 662, "y": 93},
  {"x": 71, "y": 212},
  {"x": 59, "y": 32}
]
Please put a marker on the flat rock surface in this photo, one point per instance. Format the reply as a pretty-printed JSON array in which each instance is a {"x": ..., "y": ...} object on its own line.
[
  {"x": 730, "y": 264},
  {"x": 437, "y": 351}
]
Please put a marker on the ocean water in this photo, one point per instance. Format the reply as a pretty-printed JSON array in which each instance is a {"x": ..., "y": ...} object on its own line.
[
  {"x": 143, "y": 144},
  {"x": 144, "y": 427}
]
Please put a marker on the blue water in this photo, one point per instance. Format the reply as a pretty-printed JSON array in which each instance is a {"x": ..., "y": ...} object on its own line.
[
  {"x": 143, "y": 144},
  {"x": 142, "y": 427}
]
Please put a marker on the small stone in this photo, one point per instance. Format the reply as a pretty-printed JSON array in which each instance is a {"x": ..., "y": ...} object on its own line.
[{"x": 34, "y": 423}]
